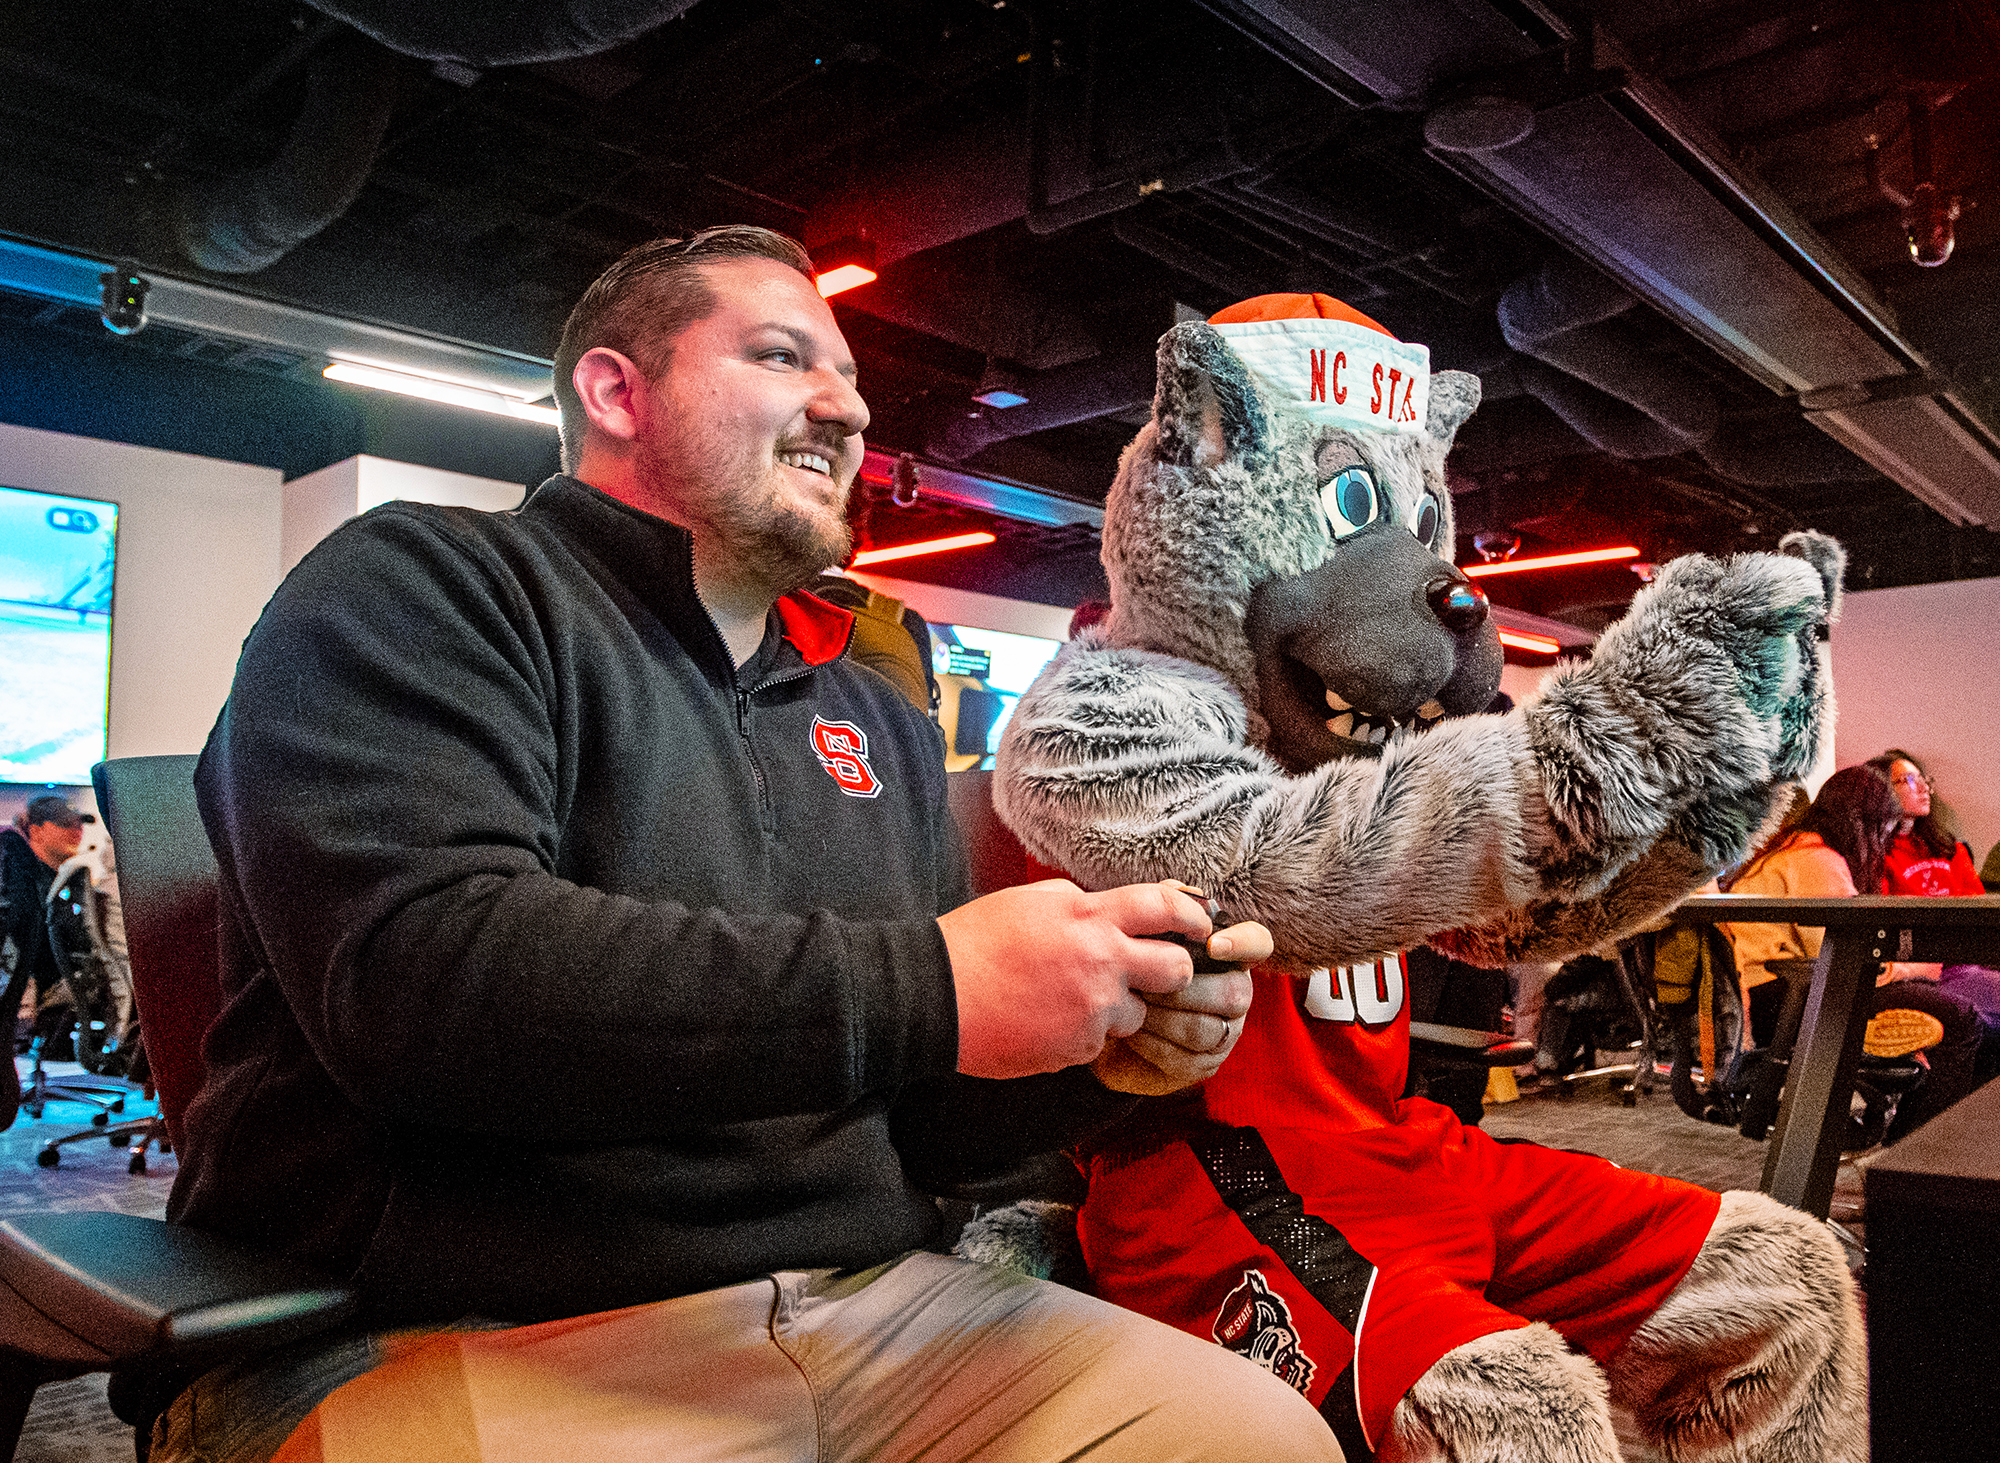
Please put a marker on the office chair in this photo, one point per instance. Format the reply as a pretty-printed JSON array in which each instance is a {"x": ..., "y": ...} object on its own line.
[
  {"x": 85, "y": 1292},
  {"x": 101, "y": 1048},
  {"x": 69, "y": 943},
  {"x": 1748, "y": 1081}
]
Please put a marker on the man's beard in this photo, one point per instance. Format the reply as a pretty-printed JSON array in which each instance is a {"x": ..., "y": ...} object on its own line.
[
  {"x": 780, "y": 545},
  {"x": 788, "y": 549}
]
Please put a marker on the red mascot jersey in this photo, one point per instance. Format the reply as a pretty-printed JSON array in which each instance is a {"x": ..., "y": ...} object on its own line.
[{"x": 1297, "y": 1209}]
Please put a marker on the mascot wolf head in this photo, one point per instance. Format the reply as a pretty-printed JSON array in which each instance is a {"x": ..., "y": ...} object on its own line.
[{"x": 1284, "y": 519}]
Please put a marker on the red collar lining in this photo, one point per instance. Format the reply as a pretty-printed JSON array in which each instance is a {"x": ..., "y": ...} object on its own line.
[{"x": 817, "y": 630}]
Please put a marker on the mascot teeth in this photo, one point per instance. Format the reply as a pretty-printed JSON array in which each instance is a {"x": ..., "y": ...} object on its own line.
[
  {"x": 1430, "y": 711},
  {"x": 1338, "y": 703},
  {"x": 1359, "y": 726}
]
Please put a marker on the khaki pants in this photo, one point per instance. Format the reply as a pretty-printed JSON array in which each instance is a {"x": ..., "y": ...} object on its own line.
[{"x": 928, "y": 1358}]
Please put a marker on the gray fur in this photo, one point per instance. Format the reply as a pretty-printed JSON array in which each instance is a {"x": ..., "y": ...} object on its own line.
[
  {"x": 1123, "y": 765},
  {"x": 1758, "y": 1352},
  {"x": 1827, "y": 556},
  {"x": 1031, "y": 1236},
  {"x": 1517, "y": 1396},
  {"x": 1139, "y": 753},
  {"x": 1454, "y": 397}
]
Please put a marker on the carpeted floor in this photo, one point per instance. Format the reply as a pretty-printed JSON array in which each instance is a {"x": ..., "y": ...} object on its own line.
[{"x": 70, "y": 1422}]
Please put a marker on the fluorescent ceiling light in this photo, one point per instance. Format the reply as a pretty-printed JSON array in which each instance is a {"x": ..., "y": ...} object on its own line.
[
  {"x": 925, "y": 546},
  {"x": 1549, "y": 561},
  {"x": 1521, "y": 640},
  {"x": 433, "y": 388},
  {"x": 846, "y": 277}
]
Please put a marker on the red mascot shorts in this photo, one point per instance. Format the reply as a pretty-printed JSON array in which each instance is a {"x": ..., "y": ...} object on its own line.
[{"x": 1349, "y": 1263}]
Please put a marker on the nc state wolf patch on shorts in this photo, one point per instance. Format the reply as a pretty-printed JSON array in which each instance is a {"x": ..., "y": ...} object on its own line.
[
  {"x": 1254, "y": 1321},
  {"x": 842, "y": 749}
]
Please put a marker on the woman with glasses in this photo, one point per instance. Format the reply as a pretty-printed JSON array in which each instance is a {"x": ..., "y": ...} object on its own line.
[
  {"x": 1836, "y": 850},
  {"x": 1926, "y": 857}
]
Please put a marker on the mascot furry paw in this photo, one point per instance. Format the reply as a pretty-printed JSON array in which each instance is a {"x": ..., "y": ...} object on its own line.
[{"x": 1280, "y": 708}]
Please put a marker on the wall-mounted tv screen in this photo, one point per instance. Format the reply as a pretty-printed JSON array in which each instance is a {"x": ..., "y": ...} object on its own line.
[
  {"x": 998, "y": 666},
  {"x": 57, "y": 559}
]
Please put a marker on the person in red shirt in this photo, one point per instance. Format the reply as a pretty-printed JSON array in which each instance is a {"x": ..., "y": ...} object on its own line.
[{"x": 1926, "y": 858}]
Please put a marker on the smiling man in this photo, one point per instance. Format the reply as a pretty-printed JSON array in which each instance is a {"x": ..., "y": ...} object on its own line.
[{"x": 603, "y": 927}]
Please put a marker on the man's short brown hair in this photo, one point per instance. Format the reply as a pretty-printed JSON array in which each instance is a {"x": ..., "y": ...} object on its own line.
[{"x": 647, "y": 298}]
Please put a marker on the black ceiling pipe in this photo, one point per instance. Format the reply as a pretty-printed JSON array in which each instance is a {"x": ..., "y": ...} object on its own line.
[
  {"x": 1078, "y": 393},
  {"x": 486, "y": 33},
  {"x": 1605, "y": 422},
  {"x": 247, "y": 221},
  {"x": 1634, "y": 404},
  {"x": 1561, "y": 315},
  {"x": 1797, "y": 454}
]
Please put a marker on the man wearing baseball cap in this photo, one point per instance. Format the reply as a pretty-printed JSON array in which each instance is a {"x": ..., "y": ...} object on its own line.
[{"x": 47, "y": 832}]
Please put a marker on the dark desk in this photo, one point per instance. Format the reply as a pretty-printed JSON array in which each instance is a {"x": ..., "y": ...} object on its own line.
[
  {"x": 1934, "y": 1288},
  {"x": 1861, "y": 933}
]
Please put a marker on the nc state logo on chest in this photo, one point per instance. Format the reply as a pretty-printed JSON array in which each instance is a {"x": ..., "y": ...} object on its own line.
[
  {"x": 842, "y": 749},
  {"x": 1365, "y": 995}
]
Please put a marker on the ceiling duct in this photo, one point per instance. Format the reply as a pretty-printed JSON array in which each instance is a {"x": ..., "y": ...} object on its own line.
[
  {"x": 1632, "y": 403},
  {"x": 1565, "y": 316},
  {"x": 1617, "y": 170},
  {"x": 486, "y": 33},
  {"x": 245, "y": 222}
]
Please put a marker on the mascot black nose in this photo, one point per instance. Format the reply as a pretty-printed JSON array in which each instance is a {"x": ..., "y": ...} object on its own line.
[{"x": 1458, "y": 605}]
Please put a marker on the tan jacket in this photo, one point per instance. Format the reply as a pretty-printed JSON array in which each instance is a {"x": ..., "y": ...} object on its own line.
[{"x": 1804, "y": 867}]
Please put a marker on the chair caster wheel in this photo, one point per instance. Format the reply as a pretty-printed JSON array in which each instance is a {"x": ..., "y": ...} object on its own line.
[
  {"x": 137, "y": 1164},
  {"x": 49, "y": 1157},
  {"x": 165, "y": 1146},
  {"x": 1629, "y": 1098},
  {"x": 99, "y": 1119},
  {"x": 118, "y": 1105}
]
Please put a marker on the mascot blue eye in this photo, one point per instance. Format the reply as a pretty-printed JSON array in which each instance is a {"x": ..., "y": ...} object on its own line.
[
  {"x": 1351, "y": 501},
  {"x": 1425, "y": 524}
]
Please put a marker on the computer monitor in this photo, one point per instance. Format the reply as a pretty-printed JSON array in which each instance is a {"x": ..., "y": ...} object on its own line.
[
  {"x": 993, "y": 668},
  {"x": 58, "y": 561}
]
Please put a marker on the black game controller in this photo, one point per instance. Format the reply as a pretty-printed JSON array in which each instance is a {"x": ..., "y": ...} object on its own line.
[{"x": 1204, "y": 963}]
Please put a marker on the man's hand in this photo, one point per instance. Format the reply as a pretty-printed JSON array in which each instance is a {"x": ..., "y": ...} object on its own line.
[
  {"x": 1187, "y": 1033},
  {"x": 1046, "y": 973}
]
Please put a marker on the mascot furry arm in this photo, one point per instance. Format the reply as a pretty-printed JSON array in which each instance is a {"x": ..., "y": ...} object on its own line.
[
  {"x": 1243, "y": 719},
  {"x": 1282, "y": 708}
]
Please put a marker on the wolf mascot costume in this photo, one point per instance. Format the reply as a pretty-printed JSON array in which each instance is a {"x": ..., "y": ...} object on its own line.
[{"x": 1277, "y": 709}]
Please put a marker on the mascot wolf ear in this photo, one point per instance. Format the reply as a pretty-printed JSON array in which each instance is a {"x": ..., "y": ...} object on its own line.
[
  {"x": 1205, "y": 406},
  {"x": 1454, "y": 397}
]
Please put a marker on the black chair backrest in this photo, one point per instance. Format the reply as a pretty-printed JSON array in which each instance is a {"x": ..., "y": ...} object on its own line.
[
  {"x": 167, "y": 882},
  {"x": 992, "y": 852}
]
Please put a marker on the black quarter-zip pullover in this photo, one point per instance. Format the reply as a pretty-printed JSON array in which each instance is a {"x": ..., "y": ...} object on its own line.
[{"x": 567, "y": 966}]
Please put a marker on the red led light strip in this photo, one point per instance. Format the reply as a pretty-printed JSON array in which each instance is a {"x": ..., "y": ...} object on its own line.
[
  {"x": 845, "y": 277},
  {"x": 1549, "y": 561},
  {"x": 1521, "y": 640},
  {"x": 925, "y": 546}
]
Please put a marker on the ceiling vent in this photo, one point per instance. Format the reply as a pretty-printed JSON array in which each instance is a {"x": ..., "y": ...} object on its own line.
[{"x": 1616, "y": 170}]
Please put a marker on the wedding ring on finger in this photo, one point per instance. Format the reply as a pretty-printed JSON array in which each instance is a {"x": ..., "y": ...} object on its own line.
[{"x": 1228, "y": 1029}]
